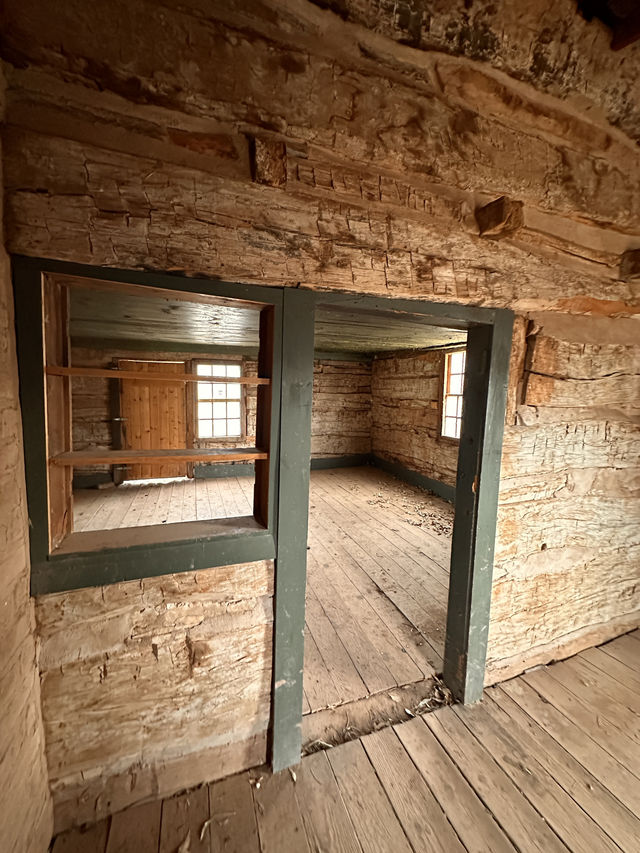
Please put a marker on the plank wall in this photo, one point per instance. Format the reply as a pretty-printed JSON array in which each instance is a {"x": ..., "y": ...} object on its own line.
[
  {"x": 25, "y": 802},
  {"x": 285, "y": 144},
  {"x": 405, "y": 415}
]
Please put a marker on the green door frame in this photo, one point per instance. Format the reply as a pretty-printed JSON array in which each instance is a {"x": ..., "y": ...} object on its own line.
[
  {"x": 489, "y": 335},
  {"x": 489, "y": 332}
]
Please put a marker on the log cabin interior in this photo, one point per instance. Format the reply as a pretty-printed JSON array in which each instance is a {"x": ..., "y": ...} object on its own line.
[{"x": 319, "y": 414}]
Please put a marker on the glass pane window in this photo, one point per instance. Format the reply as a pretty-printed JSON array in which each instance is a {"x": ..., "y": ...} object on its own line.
[
  {"x": 205, "y": 390},
  {"x": 219, "y": 404},
  {"x": 219, "y": 391},
  {"x": 455, "y": 363}
]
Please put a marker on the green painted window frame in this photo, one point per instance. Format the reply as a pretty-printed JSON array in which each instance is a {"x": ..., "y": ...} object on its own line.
[{"x": 63, "y": 571}]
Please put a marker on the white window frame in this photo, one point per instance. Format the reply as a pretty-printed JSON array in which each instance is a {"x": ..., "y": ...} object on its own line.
[
  {"x": 212, "y": 364},
  {"x": 450, "y": 423}
]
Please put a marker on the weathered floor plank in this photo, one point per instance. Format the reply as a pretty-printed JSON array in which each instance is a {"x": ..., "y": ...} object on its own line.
[
  {"x": 589, "y": 717},
  {"x": 93, "y": 839},
  {"x": 577, "y": 743},
  {"x": 623, "y": 650},
  {"x": 594, "y": 798},
  {"x": 280, "y": 823},
  {"x": 468, "y": 815},
  {"x": 420, "y": 814},
  {"x": 233, "y": 827},
  {"x": 576, "y": 829},
  {"x": 183, "y": 819},
  {"x": 326, "y": 820},
  {"x": 521, "y": 822},
  {"x": 371, "y": 812},
  {"x": 137, "y": 828}
]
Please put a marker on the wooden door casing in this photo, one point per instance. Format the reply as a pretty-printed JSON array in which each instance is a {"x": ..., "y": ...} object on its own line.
[{"x": 154, "y": 417}]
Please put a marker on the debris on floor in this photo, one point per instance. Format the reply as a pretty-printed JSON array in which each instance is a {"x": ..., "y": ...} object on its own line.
[
  {"x": 435, "y": 514},
  {"x": 364, "y": 716}
]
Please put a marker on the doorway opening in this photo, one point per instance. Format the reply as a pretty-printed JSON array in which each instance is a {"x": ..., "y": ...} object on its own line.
[{"x": 385, "y": 430}]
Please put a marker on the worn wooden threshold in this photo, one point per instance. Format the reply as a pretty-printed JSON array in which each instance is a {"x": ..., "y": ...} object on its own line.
[{"x": 338, "y": 724}]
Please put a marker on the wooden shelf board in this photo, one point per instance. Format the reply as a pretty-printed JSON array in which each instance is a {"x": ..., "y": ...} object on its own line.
[
  {"x": 106, "y": 373},
  {"x": 132, "y": 457}
]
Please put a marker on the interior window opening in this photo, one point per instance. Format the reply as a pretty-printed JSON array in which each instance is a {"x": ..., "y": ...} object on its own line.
[{"x": 152, "y": 398}]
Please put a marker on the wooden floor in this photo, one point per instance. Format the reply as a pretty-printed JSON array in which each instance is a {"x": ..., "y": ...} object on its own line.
[
  {"x": 135, "y": 504},
  {"x": 377, "y": 577},
  {"x": 546, "y": 762}
]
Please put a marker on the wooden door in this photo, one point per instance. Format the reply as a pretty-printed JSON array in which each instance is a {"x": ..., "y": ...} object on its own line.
[{"x": 154, "y": 417}]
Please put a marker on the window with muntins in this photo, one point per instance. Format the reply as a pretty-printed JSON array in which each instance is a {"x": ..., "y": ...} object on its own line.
[
  {"x": 219, "y": 404},
  {"x": 452, "y": 393}
]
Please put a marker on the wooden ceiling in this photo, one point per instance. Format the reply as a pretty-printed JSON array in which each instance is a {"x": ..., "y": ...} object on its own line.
[
  {"x": 362, "y": 331},
  {"x": 119, "y": 317}
]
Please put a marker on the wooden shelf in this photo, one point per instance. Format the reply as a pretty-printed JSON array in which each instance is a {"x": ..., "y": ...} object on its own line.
[
  {"x": 106, "y": 373},
  {"x": 136, "y": 457}
]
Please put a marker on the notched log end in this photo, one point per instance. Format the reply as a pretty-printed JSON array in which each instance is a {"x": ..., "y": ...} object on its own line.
[
  {"x": 500, "y": 218},
  {"x": 268, "y": 161},
  {"x": 630, "y": 265}
]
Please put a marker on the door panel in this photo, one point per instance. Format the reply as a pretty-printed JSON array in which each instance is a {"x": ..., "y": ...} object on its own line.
[{"x": 154, "y": 417}]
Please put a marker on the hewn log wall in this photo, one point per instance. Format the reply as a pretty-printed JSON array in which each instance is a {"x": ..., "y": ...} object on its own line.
[
  {"x": 341, "y": 411},
  {"x": 25, "y": 802},
  {"x": 567, "y": 567},
  {"x": 278, "y": 142},
  {"x": 149, "y": 687},
  {"x": 406, "y": 415}
]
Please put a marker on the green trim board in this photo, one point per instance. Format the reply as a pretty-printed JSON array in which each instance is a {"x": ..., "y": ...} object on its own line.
[
  {"x": 477, "y": 485},
  {"x": 56, "y": 572},
  {"x": 323, "y": 355},
  {"x": 296, "y": 397},
  {"x": 112, "y": 565},
  {"x": 232, "y": 469},
  {"x": 30, "y": 348},
  {"x": 414, "y": 478},
  {"x": 352, "y": 460},
  {"x": 92, "y": 480},
  {"x": 247, "y": 469},
  {"x": 257, "y": 293}
]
